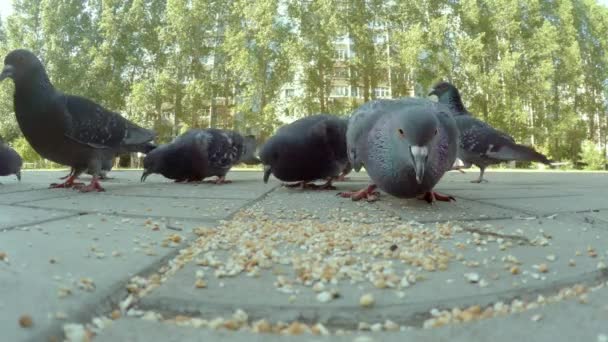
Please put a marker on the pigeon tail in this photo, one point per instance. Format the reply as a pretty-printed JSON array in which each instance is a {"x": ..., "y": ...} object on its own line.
[{"x": 519, "y": 152}]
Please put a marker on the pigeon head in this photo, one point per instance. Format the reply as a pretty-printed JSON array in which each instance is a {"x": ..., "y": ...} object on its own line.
[
  {"x": 22, "y": 66},
  {"x": 270, "y": 155},
  {"x": 413, "y": 134},
  {"x": 443, "y": 89},
  {"x": 153, "y": 162},
  {"x": 449, "y": 95}
]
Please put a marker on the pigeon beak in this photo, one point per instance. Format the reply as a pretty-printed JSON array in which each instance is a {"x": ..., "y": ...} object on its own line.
[
  {"x": 419, "y": 156},
  {"x": 432, "y": 93},
  {"x": 267, "y": 172},
  {"x": 145, "y": 175},
  {"x": 8, "y": 71}
]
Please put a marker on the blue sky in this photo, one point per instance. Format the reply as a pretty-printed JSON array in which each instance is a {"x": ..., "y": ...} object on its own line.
[{"x": 6, "y": 6}]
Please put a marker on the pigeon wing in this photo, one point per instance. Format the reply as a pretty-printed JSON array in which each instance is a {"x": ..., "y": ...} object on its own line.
[
  {"x": 90, "y": 124},
  {"x": 222, "y": 148},
  {"x": 478, "y": 137}
]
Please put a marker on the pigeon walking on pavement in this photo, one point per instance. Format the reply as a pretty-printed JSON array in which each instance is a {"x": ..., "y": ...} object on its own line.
[
  {"x": 479, "y": 143},
  {"x": 67, "y": 129},
  {"x": 309, "y": 149},
  {"x": 10, "y": 161},
  {"x": 406, "y": 146},
  {"x": 198, "y": 154}
]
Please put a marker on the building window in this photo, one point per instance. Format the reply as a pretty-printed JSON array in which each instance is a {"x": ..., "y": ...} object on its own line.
[
  {"x": 341, "y": 54},
  {"x": 355, "y": 92},
  {"x": 339, "y": 91},
  {"x": 341, "y": 73},
  {"x": 381, "y": 92},
  {"x": 290, "y": 93}
]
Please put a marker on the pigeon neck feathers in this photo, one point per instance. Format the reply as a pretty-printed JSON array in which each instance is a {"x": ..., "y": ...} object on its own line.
[{"x": 452, "y": 99}]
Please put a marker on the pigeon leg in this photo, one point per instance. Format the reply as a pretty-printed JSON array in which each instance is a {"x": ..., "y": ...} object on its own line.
[
  {"x": 68, "y": 175},
  {"x": 342, "y": 177},
  {"x": 458, "y": 168},
  {"x": 308, "y": 186},
  {"x": 69, "y": 183},
  {"x": 93, "y": 186},
  {"x": 369, "y": 194},
  {"x": 480, "y": 179},
  {"x": 222, "y": 180},
  {"x": 432, "y": 196},
  {"x": 219, "y": 180},
  {"x": 327, "y": 185},
  {"x": 302, "y": 185}
]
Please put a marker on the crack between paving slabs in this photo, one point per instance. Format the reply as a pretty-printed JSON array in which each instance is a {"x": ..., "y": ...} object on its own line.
[
  {"x": 411, "y": 314},
  {"x": 416, "y": 318},
  {"x": 117, "y": 294},
  {"x": 52, "y": 219},
  {"x": 119, "y": 214}
]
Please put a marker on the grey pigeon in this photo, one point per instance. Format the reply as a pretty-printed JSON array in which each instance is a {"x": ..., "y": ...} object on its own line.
[
  {"x": 10, "y": 161},
  {"x": 66, "y": 129},
  {"x": 308, "y": 149},
  {"x": 198, "y": 154},
  {"x": 106, "y": 166},
  {"x": 481, "y": 144},
  {"x": 406, "y": 145}
]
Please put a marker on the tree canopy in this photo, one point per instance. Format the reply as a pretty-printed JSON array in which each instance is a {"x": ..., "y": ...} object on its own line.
[{"x": 537, "y": 69}]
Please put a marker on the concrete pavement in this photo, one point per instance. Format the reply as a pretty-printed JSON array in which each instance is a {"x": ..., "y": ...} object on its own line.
[{"x": 523, "y": 255}]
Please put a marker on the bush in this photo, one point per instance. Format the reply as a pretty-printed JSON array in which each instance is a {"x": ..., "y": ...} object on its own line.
[{"x": 591, "y": 156}]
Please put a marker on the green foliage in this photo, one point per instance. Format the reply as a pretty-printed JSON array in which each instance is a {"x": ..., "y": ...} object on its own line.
[
  {"x": 537, "y": 69},
  {"x": 26, "y": 152},
  {"x": 592, "y": 157}
]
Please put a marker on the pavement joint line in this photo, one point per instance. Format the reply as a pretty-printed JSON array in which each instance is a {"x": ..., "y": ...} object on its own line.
[
  {"x": 520, "y": 197},
  {"x": 52, "y": 219},
  {"x": 476, "y": 219},
  {"x": 387, "y": 206},
  {"x": 179, "y": 197},
  {"x": 29, "y": 201},
  {"x": 21, "y": 191},
  {"x": 108, "y": 301},
  {"x": 410, "y": 314},
  {"x": 119, "y": 214},
  {"x": 119, "y": 292}
]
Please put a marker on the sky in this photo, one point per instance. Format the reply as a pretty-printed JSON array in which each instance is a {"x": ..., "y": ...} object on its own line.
[{"x": 6, "y": 6}]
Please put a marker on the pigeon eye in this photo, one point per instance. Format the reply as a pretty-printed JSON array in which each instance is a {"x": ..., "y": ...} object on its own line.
[{"x": 401, "y": 132}]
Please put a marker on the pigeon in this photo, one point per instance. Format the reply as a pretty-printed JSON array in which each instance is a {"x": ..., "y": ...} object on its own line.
[
  {"x": 10, "y": 161},
  {"x": 67, "y": 129},
  {"x": 479, "y": 143},
  {"x": 198, "y": 154},
  {"x": 308, "y": 149},
  {"x": 406, "y": 146},
  {"x": 106, "y": 166}
]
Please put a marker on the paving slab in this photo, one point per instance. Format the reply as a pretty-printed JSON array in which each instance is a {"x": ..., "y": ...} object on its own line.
[
  {"x": 566, "y": 321},
  {"x": 52, "y": 239},
  {"x": 15, "y": 216},
  {"x": 46, "y": 259},
  {"x": 562, "y": 244},
  {"x": 186, "y": 208},
  {"x": 550, "y": 226}
]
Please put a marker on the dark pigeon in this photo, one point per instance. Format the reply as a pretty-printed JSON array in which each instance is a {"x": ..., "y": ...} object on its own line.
[
  {"x": 481, "y": 144},
  {"x": 309, "y": 149},
  {"x": 406, "y": 146},
  {"x": 66, "y": 129},
  {"x": 10, "y": 161},
  {"x": 198, "y": 154}
]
